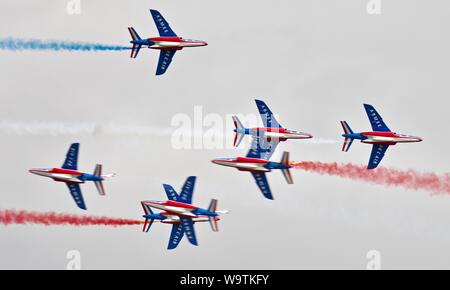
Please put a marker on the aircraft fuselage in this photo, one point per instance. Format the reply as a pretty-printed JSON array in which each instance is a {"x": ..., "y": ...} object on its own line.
[
  {"x": 280, "y": 134},
  {"x": 180, "y": 209},
  {"x": 66, "y": 175},
  {"x": 175, "y": 219},
  {"x": 383, "y": 138},
  {"x": 250, "y": 164},
  {"x": 169, "y": 42}
]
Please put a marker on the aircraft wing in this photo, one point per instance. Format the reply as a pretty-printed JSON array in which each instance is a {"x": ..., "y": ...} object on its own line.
[
  {"x": 75, "y": 191},
  {"x": 261, "y": 148},
  {"x": 267, "y": 116},
  {"x": 165, "y": 58},
  {"x": 161, "y": 23},
  {"x": 171, "y": 193},
  {"x": 175, "y": 236},
  {"x": 71, "y": 161},
  {"x": 187, "y": 190},
  {"x": 377, "y": 155},
  {"x": 263, "y": 184},
  {"x": 376, "y": 121},
  {"x": 188, "y": 226}
]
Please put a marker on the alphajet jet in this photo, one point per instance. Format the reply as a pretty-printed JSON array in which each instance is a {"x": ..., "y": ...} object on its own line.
[
  {"x": 168, "y": 43},
  {"x": 70, "y": 175},
  {"x": 380, "y": 138},
  {"x": 180, "y": 213}
]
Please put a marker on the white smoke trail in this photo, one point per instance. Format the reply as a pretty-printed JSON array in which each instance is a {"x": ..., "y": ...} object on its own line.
[
  {"x": 315, "y": 141},
  {"x": 45, "y": 128}
]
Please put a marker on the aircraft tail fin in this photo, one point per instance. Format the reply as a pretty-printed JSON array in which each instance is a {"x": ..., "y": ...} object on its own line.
[
  {"x": 147, "y": 222},
  {"x": 99, "y": 183},
  {"x": 212, "y": 219},
  {"x": 239, "y": 129},
  {"x": 136, "y": 47},
  {"x": 286, "y": 172},
  {"x": 348, "y": 141},
  {"x": 346, "y": 127}
]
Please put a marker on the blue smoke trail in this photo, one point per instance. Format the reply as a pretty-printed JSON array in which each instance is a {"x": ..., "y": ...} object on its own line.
[{"x": 14, "y": 44}]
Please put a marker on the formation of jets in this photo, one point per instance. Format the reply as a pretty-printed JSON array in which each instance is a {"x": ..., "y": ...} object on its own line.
[
  {"x": 264, "y": 142},
  {"x": 178, "y": 210}
]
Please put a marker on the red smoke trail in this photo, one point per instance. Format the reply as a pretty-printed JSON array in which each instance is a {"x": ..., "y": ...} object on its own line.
[
  {"x": 8, "y": 217},
  {"x": 409, "y": 179}
]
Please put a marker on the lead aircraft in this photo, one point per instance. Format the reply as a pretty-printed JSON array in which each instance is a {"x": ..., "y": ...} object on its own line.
[{"x": 167, "y": 42}]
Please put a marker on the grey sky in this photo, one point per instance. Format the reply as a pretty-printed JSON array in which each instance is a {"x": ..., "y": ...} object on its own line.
[{"x": 313, "y": 62}]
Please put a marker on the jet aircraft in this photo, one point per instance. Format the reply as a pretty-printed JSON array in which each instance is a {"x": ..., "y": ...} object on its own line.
[
  {"x": 381, "y": 137},
  {"x": 70, "y": 175},
  {"x": 168, "y": 43},
  {"x": 180, "y": 213}
]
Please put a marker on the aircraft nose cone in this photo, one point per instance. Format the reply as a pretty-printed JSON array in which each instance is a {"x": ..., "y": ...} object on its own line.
[
  {"x": 219, "y": 162},
  {"x": 419, "y": 139},
  {"x": 205, "y": 43},
  {"x": 36, "y": 172}
]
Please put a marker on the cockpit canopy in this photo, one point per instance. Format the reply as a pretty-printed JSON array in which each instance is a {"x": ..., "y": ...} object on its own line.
[{"x": 190, "y": 40}]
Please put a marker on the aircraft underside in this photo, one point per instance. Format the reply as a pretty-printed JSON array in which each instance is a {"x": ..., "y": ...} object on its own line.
[
  {"x": 63, "y": 177},
  {"x": 387, "y": 140}
]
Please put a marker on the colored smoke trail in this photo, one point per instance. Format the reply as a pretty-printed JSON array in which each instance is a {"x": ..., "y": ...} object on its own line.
[
  {"x": 410, "y": 179},
  {"x": 14, "y": 44},
  {"x": 22, "y": 217}
]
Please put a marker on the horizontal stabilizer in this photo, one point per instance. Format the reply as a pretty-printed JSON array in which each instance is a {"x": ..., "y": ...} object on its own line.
[
  {"x": 134, "y": 34},
  {"x": 212, "y": 219},
  {"x": 348, "y": 141},
  {"x": 239, "y": 129},
  {"x": 99, "y": 183},
  {"x": 286, "y": 172},
  {"x": 148, "y": 222},
  {"x": 346, "y": 128},
  {"x": 136, "y": 47},
  {"x": 135, "y": 50}
]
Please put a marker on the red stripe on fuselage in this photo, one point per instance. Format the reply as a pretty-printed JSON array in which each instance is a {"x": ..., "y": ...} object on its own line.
[
  {"x": 65, "y": 171},
  {"x": 167, "y": 38},
  {"x": 250, "y": 160},
  {"x": 179, "y": 204},
  {"x": 277, "y": 130},
  {"x": 380, "y": 134}
]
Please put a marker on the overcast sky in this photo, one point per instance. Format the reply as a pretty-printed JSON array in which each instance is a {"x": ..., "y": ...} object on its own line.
[{"x": 313, "y": 62}]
